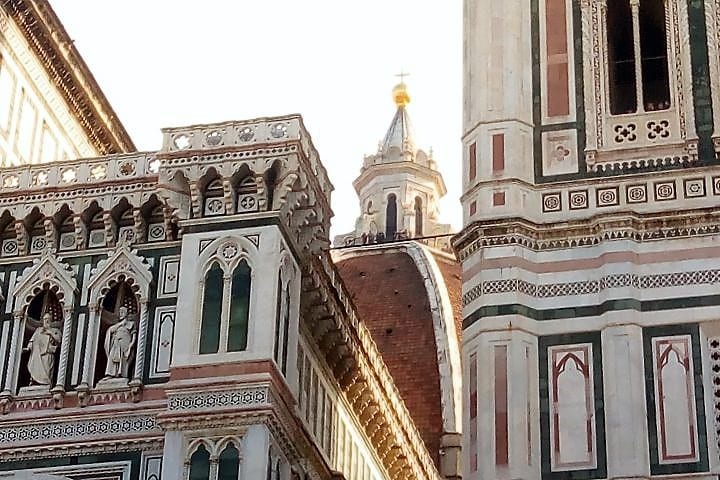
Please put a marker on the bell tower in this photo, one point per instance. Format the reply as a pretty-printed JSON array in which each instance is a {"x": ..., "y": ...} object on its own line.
[
  {"x": 399, "y": 186},
  {"x": 590, "y": 178}
]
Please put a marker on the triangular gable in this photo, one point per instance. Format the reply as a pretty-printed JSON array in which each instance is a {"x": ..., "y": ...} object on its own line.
[
  {"x": 124, "y": 262},
  {"x": 46, "y": 269}
]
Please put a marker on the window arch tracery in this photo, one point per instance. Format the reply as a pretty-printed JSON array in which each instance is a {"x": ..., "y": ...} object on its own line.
[{"x": 226, "y": 293}]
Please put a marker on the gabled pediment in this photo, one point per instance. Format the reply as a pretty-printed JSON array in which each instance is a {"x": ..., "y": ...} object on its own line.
[
  {"x": 46, "y": 269},
  {"x": 124, "y": 262}
]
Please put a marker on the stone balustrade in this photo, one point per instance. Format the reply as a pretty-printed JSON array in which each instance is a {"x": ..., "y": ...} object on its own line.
[{"x": 78, "y": 172}]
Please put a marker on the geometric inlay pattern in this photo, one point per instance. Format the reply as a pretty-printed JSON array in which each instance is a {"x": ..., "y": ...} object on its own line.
[
  {"x": 608, "y": 197},
  {"x": 578, "y": 199},
  {"x": 79, "y": 430},
  {"x": 694, "y": 187},
  {"x": 551, "y": 202},
  {"x": 665, "y": 191},
  {"x": 636, "y": 193},
  {"x": 585, "y": 287},
  {"x": 210, "y": 400}
]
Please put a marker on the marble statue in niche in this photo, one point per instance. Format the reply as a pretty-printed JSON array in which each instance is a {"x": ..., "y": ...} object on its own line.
[
  {"x": 42, "y": 346},
  {"x": 119, "y": 345},
  {"x": 117, "y": 338}
]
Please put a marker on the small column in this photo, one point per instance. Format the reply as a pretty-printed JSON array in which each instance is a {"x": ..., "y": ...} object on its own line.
[
  {"x": 11, "y": 377},
  {"x": 625, "y": 411},
  {"x": 225, "y": 312},
  {"x": 59, "y": 389},
  {"x": 214, "y": 460},
  {"x": 136, "y": 382},
  {"x": 90, "y": 350}
]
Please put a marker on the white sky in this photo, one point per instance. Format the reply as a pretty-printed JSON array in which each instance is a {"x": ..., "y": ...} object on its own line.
[{"x": 165, "y": 63}]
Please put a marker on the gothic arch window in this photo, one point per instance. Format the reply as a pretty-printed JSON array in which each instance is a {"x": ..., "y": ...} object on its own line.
[
  {"x": 42, "y": 336},
  {"x": 418, "y": 217},
  {"x": 391, "y": 217},
  {"x": 239, "y": 308},
  {"x": 637, "y": 36},
  {"x": 119, "y": 304},
  {"x": 213, "y": 198},
  {"x": 229, "y": 463},
  {"x": 225, "y": 307},
  {"x": 211, "y": 310},
  {"x": 200, "y": 464}
]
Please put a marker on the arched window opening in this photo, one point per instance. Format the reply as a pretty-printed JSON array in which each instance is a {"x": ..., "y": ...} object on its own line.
[
  {"x": 35, "y": 224},
  {"x": 271, "y": 178},
  {"x": 418, "y": 217},
  {"x": 229, "y": 463},
  {"x": 621, "y": 58},
  {"x": 369, "y": 210},
  {"x": 286, "y": 329},
  {"x": 117, "y": 337},
  {"x": 65, "y": 229},
  {"x": 8, "y": 236},
  {"x": 239, "y": 308},
  {"x": 95, "y": 226},
  {"x": 200, "y": 464},
  {"x": 155, "y": 221},
  {"x": 41, "y": 339},
  {"x": 213, "y": 198},
  {"x": 628, "y": 48},
  {"x": 246, "y": 195},
  {"x": 211, "y": 310},
  {"x": 391, "y": 217},
  {"x": 126, "y": 226},
  {"x": 654, "y": 55}
]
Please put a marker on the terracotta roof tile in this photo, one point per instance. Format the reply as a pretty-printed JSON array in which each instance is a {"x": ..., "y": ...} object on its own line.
[{"x": 391, "y": 299}]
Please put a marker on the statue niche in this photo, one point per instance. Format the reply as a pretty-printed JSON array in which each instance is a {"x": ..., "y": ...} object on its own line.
[
  {"x": 118, "y": 334},
  {"x": 41, "y": 341}
]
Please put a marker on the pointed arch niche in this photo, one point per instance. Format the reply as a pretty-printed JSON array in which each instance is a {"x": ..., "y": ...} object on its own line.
[
  {"x": 46, "y": 287},
  {"x": 120, "y": 281}
]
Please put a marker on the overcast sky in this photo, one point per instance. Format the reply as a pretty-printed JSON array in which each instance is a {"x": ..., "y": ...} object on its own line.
[{"x": 165, "y": 63}]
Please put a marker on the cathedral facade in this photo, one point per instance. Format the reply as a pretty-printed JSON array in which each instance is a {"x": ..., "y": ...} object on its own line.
[
  {"x": 591, "y": 267},
  {"x": 179, "y": 313}
]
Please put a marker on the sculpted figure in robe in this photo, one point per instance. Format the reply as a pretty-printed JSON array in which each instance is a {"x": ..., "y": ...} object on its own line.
[
  {"x": 119, "y": 342},
  {"x": 42, "y": 347}
]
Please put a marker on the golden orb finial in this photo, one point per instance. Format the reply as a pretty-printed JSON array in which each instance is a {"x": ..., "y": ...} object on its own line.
[{"x": 400, "y": 93}]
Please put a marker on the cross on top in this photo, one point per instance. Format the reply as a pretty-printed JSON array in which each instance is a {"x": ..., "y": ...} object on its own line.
[{"x": 402, "y": 76}]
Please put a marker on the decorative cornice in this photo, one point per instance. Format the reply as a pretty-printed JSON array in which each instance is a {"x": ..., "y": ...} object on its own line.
[
  {"x": 589, "y": 231},
  {"x": 53, "y": 46}
]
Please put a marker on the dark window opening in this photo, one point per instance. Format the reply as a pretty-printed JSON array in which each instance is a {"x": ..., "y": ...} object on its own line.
[
  {"x": 211, "y": 310},
  {"x": 654, "y": 55},
  {"x": 391, "y": 217},
  {"x": 621, "y": 58},
  {"x": 418, "y": 217},
  {"x": 239, "y": 308},
  {"x": 200, "y": 464},
  {"x": 229, "y": 464}
]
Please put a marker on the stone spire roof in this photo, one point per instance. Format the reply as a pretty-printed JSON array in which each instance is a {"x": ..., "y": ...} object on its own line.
[{"x": 399, "y": 139}]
